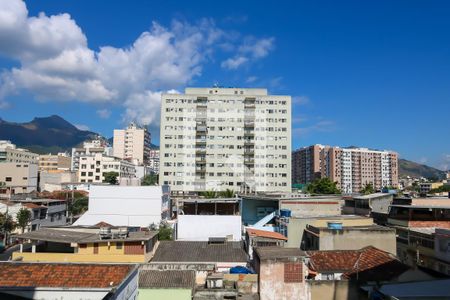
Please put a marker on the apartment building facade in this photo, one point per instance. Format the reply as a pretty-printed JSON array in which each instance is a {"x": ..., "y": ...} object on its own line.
[
  {"x": 153, "y": 161},
  {"x": 225, "y": 138},
  {"x": 92, "y": 168},
  {"x": 132, "y": 143},
  {"x": 351, "y": 168},
  {"x": 50, "y": 162},
  {"x": 90, "y": 148},
  {"x": 10, "y": 153},
  {"x": 17, "y": 178},
  {"x": 306, "y": 164}
]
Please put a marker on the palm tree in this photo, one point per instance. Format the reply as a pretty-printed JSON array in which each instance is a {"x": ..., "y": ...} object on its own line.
[
  {"x": 227, "y": 194},
  {"x": 209, "y": 194}
]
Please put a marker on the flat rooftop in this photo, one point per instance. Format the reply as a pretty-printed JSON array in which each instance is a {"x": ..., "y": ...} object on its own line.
[
  {"x": 371, "y": 196},
  {"x": 79, "y": 236},
  {"x": 359, "y": 228},
  {"x": 331, "y": 217}
]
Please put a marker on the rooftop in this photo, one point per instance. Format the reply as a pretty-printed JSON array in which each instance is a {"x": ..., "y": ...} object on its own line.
[
  {"x": 361, "y": 228},
  {"x": 79, "y": 236},
  {"x": 266, "y": 253},
  {"x": 371, "y": 196},
  {"x": 366, "y": 264},
  {"x": 186, "y": 251},
  {"x": 62, "y": 275},
  {"x": 166, "y": 279},
  {"x": 265, "y": 234}
]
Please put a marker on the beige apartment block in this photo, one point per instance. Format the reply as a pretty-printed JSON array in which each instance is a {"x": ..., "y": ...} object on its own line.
[
  {"x": 50, "y": 162},
  {"x": 92, "y": 168},
  {"x": 10, "y": 153},
  {"x": 90, "y": 148},
  {"x": 351, "y": 168},
  {"x": 132, "y": 143},
  {"x": 225, "y": 138},
  {"x": 17, "y": 178}
]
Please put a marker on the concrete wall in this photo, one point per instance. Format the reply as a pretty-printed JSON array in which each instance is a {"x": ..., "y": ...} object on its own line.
[
  {"x": 272, "y": 285},
  {"x": 313, "y": 207},
  {"x": 123, "y": 206},
  {"x": 331, "y": 290},
  {"x": 357, "y": 239},
  {"x": 249, "y": 209},
  {"x": 297, "y": 226},
  {"x": 202, "y": 227},
  {"x": 166, "y": 294}
]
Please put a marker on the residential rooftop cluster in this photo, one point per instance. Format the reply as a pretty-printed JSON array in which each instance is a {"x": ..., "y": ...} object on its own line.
[{"x": 223, "y": 210}]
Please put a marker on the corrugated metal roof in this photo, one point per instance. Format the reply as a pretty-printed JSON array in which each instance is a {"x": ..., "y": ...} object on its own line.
[
  {"x": 185, "y": 251},
  {"x": 166, "y": 279}
]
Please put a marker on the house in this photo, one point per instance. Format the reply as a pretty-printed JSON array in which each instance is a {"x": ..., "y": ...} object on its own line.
[
  {"x": 20, "y": 280},
  {"x": 337, "y": 237},
  {"x": 221, "y": 217},
  {"x": 223, "y": 254},
  {"x": 375, "y": 206},
  {"x": 166, "y": 284},
  {"x": 88, "y": 244},
  {"x": 282, "y": 273},
  {"x": 425, "y": 212},
  {"x": 134, "y": 206},
  {"x": 261, "y": 238},
  {"x": 296, "y": 225}
]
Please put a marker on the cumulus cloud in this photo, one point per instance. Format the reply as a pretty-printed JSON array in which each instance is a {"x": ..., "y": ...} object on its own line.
[
  {"x": 252, "y": 49},
  {"x": 56, "y": 63}
]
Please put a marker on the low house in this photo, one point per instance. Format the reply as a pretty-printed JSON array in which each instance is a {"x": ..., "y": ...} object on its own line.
[
  {"x": 255, "y": 238},
  {"x": 201, "y": 219},
  {"x": 83, "y": 244},
  {"x": 297, "y": 224},
  {"x": 427, "y": 212},
  {"x": 67, "y": 281},
  {"x": 374, "y": 205},
  {"x": 282, "y": 273},
  {"x": 136, "y": 206},
  {"x": 338, "y": 237},
  {"x": 166, "y": 284},
  {"x": 223, "y": 254}
]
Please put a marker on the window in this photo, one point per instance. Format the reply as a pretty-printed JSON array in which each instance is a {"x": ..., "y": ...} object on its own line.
[
  {"x": 8, "y": 179},
  {"x": 119, "y": 245}
]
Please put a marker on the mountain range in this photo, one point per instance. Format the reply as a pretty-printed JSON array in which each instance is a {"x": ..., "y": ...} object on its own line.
[
  {"x": 54, "y": 134},
  {"x": 44, "y": 135}
]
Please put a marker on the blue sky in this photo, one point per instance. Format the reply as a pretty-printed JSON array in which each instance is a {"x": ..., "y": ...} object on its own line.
[{"x": 366, "y": 73}]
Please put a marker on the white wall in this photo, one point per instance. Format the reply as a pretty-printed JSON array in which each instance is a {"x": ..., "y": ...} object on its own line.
[
  {"x": 123, "y": 206},
  {"x": 200, "y": 227}
]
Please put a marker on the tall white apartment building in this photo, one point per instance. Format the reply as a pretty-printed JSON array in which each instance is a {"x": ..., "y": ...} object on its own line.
[
  {"x": 225, "y": 138},
  {"x": 10, "y": 153},
  {"x": 132, "y": 143}
]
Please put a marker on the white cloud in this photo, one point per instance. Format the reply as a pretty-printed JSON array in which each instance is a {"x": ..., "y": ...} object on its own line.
[
  {"x": 320, "y": 126},
  {"x": 56, "y": 63},
  {"x": 104, "y": 113},
  {"x": 234, "y": 63},
  {"x": 81, "y": 127},
  {"x": 252, "y": 49},
  {"x": 300, "y": 100}
]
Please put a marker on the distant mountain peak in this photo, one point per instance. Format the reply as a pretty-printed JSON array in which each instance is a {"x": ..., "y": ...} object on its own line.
[{"x": 45, "y": 134}]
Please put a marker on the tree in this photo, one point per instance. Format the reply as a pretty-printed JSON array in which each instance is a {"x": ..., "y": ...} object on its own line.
[
  {"x": 78, "y": 206},
  {"x": 165, "y": 232},
  {"x": 6, "y": 225},
  {"x": 367, "y": 189},
  {"x": 110, "y": 177},
  {"x": 23, "y": 218},
  {"x": 209, "y": 194},
  {"x": 227, "y": 194},
  {"x": 151, "y": 179},
  {"x": 322, "y": 186}
]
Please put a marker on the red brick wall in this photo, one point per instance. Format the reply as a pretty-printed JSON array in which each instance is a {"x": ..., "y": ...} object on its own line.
[
  {"x": 293, "y": 272},
  {"x": 134, "y": 248}
]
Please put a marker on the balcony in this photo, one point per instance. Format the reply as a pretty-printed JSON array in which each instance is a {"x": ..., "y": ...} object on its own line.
[
  {"x": 201, "y": 129},
  {"x": 249, "y": 133}
]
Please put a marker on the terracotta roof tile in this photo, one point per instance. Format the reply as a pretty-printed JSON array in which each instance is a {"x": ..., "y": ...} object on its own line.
[
  {"x": 266, "y": 234},
  {"x": 31, "y": 205},
  {"x": 368, "y": 263},
  {"x": 14, "y": 274}
]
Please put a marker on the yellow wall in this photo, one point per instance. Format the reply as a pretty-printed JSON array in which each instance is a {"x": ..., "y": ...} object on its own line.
[
  {"x": 103, "y": 249},
  {"x": 77, "y": 257}
]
